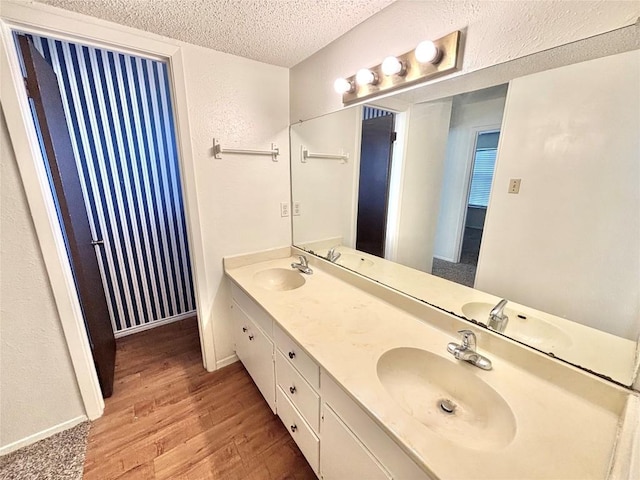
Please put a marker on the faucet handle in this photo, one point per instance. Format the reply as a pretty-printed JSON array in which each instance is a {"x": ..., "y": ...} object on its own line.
[
  {"x": 468, "y": 339},
  {"x": 303, "y": 261}
]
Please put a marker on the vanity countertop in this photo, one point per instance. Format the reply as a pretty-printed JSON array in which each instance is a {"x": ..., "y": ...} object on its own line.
[{"x": 558, "y": 434}]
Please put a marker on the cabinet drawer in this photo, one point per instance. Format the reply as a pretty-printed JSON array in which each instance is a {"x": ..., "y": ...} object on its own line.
[
  {"x": 299, "y": 430},
  {"x": 252, "y": 310},
  {"x": 298, "y": 357},
  {"x": 296, "y": 388}
]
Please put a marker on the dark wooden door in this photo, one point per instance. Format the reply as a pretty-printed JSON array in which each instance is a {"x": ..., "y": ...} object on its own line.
[
  {"x": 373, "y": 192},
  {"x": 42, "y": 88}
]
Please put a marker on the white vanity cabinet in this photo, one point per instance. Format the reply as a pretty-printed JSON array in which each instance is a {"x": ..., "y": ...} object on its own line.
[
  {"x": 254, "y": 346},
  {"x": 338, "y": 439}
]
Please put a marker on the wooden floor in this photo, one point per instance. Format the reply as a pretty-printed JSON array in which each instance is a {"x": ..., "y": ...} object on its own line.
[{"x": 170, "y": 419}]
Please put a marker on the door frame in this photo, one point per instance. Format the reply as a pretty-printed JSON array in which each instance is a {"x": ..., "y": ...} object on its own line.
[
  {"x": 70, "y": 26},
  {"x": 466, "y": 190}
]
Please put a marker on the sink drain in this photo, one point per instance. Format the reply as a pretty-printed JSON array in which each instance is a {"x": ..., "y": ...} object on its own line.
[{"x": 447, "y": 406}]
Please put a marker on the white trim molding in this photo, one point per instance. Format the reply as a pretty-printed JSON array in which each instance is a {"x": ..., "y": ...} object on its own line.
[
  {"x": 223, "y": 362},
  {"x": 154, "y": 324},
  {"x": 61, "y": 427}
]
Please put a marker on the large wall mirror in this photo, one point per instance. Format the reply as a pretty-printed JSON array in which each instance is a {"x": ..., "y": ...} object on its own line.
[{"x": 519, "y": 182}]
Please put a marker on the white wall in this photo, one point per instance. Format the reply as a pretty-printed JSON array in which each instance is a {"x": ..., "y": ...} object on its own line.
[
  {"x": 326, "y": 189},
  {"x": 244, "y": 104},
  {"x": 471, "y": 112},
  {"x": 495, "y": 32},
  {"x": 423, "y": 165},
  {"x": 37, "y": 381},
  {"x": 571, "y": 135}
]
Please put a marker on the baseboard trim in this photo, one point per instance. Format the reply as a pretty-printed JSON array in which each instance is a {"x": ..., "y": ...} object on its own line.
[
  {"x": 154, "y": 324},
  {"x": 226, "y": 361},
  {"x": 61, "y": 427}
]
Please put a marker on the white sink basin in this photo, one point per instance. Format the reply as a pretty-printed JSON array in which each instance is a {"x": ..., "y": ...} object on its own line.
[
  {"x": 353, "y": 261},
  {"x": 426, "y": 385},
  {"x": 522, "y": 326},
  {"x": 279, "y": 279}
]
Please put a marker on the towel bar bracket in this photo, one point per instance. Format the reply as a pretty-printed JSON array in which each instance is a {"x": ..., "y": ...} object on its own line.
[
  {"x": 218, "y": 151},
  {"x": 305, "y": 154}
]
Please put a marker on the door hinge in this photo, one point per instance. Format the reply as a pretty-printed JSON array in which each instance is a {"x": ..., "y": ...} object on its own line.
[
  {"x": 26, "y": 87},
  {"x": 394, "y": 136}
]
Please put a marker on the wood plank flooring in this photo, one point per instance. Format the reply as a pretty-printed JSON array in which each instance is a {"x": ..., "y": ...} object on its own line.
[{"x": 170, "y": 419}]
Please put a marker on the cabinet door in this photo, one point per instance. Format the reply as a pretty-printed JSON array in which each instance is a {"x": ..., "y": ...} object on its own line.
[
  {"x": 240, "y": 329},
  {"x": 255, "y": 350},
  {"x": 342, "y": 455}
]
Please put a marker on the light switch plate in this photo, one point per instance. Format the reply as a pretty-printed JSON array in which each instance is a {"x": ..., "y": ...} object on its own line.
[
  {"x": 514, "y": 185},
  {"x": 284, "y": 209}
]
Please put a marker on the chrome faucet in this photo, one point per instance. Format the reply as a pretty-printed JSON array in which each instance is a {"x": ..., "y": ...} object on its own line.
[
  {"x": 303, "y": 266},
  {"x": 497, "y": 318},
  {"x": 332, "y": 255},
  {"x": 467, "y": 351}
]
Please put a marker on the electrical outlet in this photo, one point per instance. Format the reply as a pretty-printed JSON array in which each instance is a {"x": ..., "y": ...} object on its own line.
[
  {"x": 284, "y": 209},
  {"x": 296, "y": 209},
  {"x": 514, "y": 185}
]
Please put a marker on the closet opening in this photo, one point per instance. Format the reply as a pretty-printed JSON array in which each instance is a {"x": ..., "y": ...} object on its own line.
[{"x": 106, "y": 128}]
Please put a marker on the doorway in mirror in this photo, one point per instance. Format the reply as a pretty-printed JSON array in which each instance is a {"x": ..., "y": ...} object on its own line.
[
  {"x": 376, "y": 151},
  {"x": 485, "y": 149},
  {"x": 469, "y": 165}
]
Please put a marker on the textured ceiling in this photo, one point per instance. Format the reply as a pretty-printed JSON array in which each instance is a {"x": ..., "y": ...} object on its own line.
[{"x": 279, "y": 32}]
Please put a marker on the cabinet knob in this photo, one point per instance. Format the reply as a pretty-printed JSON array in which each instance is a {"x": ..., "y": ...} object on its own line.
[
  {"x": 292, "y": 390},
  {"x": 244, "y": 329},
  {"x": 294, "y": 428},
  {"x": 250, "y": 337},
  {"x": 292, "y": 355}
]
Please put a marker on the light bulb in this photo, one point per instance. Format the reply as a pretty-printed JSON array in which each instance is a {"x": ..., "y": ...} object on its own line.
[
  {"x": 393, "y": 66},
  {"x": 427, "y": 52},
  {"x": 342, "y": 86},
  {"x": 366, "y": 77}
]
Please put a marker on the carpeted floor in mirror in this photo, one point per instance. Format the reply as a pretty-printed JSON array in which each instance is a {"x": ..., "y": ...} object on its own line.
[{"x": 59, "y": 457}]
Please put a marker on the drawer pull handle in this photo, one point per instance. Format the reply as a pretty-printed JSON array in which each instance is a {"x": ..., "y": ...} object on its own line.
[
  {"x": 250, "y": 337},
  {"x": 292, "y": 390},
  {"x": 244, "y": 329},
  {"x": 292, "y": 355},
  {"x": 294, "y": 428}
]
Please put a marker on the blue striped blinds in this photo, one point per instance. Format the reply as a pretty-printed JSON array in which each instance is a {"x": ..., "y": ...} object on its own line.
[
  {"x": 484, "y": 162},
  {"x": 370, "y": 112},
  {"x": 119, "y": 113}
]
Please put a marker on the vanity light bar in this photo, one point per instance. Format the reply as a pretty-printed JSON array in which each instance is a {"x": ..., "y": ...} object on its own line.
[{"x": 411, "y": 71}]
